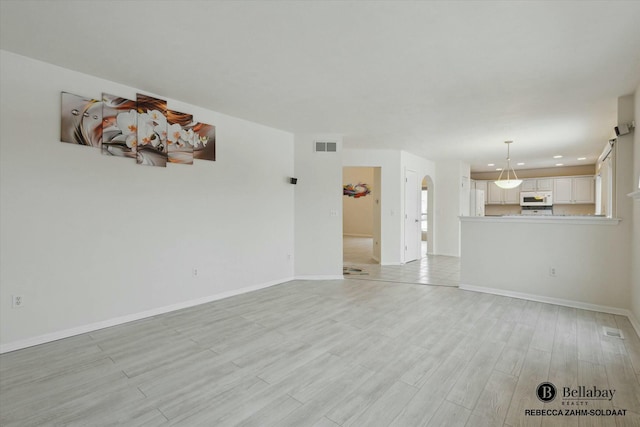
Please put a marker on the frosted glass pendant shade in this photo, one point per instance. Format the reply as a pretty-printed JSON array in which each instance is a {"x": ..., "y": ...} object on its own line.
[{"x": 508, "y": 183}]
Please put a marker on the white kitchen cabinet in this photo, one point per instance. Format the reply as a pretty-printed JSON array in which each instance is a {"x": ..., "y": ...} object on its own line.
[
  {"x": 562, "y": 190},
  {"x": 537, "y": 184},
  {"x": 584, "y": 190},
  {"x": 544, "y": 184},
  {"x": 511, "y": 196},
  {"x": 494, "y": 194},
  {"x": 499, "y": 196},
  {"x": 572, "y": 190}
]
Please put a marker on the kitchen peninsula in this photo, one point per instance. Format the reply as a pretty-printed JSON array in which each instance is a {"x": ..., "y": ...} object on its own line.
[{"x": 545, "y": 258}]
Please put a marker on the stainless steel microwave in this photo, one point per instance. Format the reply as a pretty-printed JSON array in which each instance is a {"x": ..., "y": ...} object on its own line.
[{"x": 536, "y": 198}]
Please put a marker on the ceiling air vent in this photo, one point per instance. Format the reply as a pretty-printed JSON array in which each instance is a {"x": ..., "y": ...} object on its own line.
[{"x": 325, "y": 147}]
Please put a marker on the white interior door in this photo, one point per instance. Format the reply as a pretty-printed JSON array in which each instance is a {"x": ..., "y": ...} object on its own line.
[{"x": 411, "y": 217}]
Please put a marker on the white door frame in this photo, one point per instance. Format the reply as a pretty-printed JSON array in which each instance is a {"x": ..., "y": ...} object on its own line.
[
  {"x": 430, "y": 221},
  {"x": 411, "y": 216}
]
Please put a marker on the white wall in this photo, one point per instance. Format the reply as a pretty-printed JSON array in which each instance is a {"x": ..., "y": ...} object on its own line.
[
  {"x": 88, "y": 238},
  {"x": 625, "y": 183},
  {"x": 452, "y": 200},
  {"x": 512, "y": 255},
  {"x": 357, "y": 213},
  {"x": 635, "y": 239},
  {"x": 318, "y": 209}
]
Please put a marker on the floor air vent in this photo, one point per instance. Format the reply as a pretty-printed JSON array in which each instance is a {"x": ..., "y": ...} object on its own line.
[{"x": 612, "y": 332}]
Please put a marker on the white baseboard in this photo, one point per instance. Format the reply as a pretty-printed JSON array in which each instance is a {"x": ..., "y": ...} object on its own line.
[
  {"x": 54, "y": 336},
  {"x": 557, "y": 301},
  {"x": 447, "y": 254}
]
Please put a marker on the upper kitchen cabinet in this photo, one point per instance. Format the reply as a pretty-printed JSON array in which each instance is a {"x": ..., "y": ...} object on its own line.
[
  {"x": 574, "y": 190},
  {"x": 494, "y": 194},
  {"x": 563, "y": 190},
  {"x": 537, "y": 184},
  {"x": 498, "y": 196},
  {"x": 584, "y": 190},
  {"x": 511, "y": 196}
]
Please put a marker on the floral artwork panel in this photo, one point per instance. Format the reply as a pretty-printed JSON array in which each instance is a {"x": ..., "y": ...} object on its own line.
[
  {"x": 151, "y": 131},
  {"x": 80, "y": 120},
  {"x": 180, "y": 137},
  {"x": 119, "y": 126},
  {"x": 204, "y": 141}
]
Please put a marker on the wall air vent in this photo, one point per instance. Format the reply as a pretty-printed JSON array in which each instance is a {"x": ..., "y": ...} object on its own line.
[{"x": 325, "y": 147}]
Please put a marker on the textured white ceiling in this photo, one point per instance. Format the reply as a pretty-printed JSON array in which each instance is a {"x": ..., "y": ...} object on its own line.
[{"x": 438, "y": 79}]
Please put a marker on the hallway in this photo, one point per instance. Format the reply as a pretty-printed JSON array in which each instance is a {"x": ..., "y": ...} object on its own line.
[{"x": 429, "y": 270}]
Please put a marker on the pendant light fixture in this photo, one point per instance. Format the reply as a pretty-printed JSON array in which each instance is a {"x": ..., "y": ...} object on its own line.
[{"x": 508, "y": 183}]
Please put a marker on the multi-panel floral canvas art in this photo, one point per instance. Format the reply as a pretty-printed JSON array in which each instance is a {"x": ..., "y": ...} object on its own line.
[
  {"x": 152, "y": 131},
  {"x": 119, "y": 126},
  {"x": 81, "y": 120},
  {"x": 144, "y": 129},
  {"x": 204, "y": 141},
  {"x": 180, "y": 137}
]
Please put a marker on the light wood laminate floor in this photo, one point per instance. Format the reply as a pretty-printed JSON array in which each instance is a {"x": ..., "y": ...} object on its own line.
[
  {"x": 328, "y": 353},
  {"x": 437, "y": 270}
]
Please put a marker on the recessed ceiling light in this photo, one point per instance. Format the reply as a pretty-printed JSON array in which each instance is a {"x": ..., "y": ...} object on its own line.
[
  {"x": 557, "y": 156},
  {"x": 491, "y": 164},
  {"x": 559, "y": 164},
  {"x": 520, "y": 164},
  {"x": 582, "y": 158},
  {"x": 498, "y": 169}
]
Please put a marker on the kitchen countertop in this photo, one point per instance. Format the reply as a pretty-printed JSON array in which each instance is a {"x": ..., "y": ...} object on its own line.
[{"x": 544, "y": 219}]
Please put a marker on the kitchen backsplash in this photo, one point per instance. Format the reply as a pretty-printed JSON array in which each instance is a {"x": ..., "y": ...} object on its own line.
[
  {"x": 501, "y": 210},
  {"x": 586, "y": 209}
]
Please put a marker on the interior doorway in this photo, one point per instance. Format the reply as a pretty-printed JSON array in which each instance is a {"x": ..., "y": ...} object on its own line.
[
  {"x": 426, "y": 216},
  {"x": 361, "y": 215}
]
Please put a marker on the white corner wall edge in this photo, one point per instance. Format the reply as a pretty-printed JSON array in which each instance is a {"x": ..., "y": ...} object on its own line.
[
  {"x": 634, "y": 322},
  {"x": 557, "y": 301},
  {"x": 54, "y": 336}
]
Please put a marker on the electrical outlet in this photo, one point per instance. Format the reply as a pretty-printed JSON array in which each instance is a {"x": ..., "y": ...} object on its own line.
[
  {"x": 17, "y": 301},
  {"x": 194, "y": 272},
  {"x": 552, "y": 271}
]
